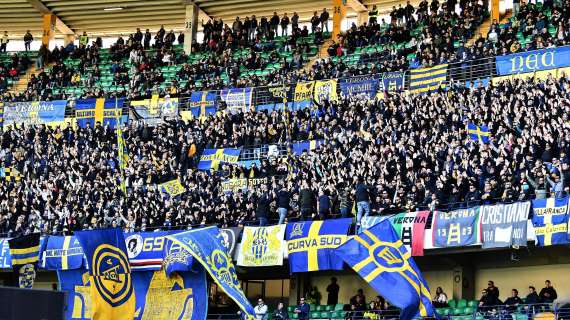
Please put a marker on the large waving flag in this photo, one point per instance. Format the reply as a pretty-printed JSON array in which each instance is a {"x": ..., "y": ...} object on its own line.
[
  {"x": 62, "y": 253},
  {"x": 311, "y": 244},
  {"x": 211, "y": 158},
  {"x": 379, "y": 257},
  {"x": 550, "y": 220},
  {"x": 112, "y": 293},
  {"x": 478, "y": 133},
  {"x": 428, "y": 79},
  {"x": 206, "y": 246}
]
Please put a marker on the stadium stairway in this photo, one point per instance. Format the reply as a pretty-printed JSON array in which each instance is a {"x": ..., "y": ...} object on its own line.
[
  {"x": 321, "y": 55},
  {"x": 22, "y": 83},
  {"x": 486, "y": 25}
]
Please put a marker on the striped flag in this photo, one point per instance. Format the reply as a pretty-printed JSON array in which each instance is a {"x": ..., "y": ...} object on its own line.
[{"x": 411, "y": 227}]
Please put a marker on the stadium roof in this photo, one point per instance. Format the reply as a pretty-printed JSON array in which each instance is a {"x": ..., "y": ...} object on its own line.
[{"x": 123, "y": 16}]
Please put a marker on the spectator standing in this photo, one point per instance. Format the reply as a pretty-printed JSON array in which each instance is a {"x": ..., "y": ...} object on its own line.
[
  {"x": 274, "y": 23},
  {"x": 492, "y": 290},
  {"x": 295, "y": 21},
  {"x": 315, "y": 22},
  {"x": 323, "y": 204},
  {"x": 4, "y": 42},
  {"x": 325, "y": 20},
  {"x": 303, "y": 310},
  {"x": 532, "y": 298},
  {"x": 285, "y": 25},
  {"x": 42, "y": 56},
  {"x": 440, "y": 299},
  {"x": 344, "y": 202},
  {"x": 362, "y": 198},
  {"x": 260, "y": 310},
  {"x": 84, "y": 39},
  {"x": 488, "y": 301},
  {"x": 262, "y": 206},
  {"x": 252, "y": 27},
  {"x": 548, "y": 293},
  {"x": 147, "y": 38},
  {"x": 306, "y": 201},
  {"x": 283, "y": 197},
  {"x": 28, "y": 38},
  {"x": 281, "y": 313},
  {"x": 333, "y": 290},
  {"x": 373, "y": 15}
]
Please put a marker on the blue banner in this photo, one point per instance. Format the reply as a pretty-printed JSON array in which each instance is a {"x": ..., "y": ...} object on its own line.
[
  {"x": 203, "y": 103},
  {"x": 103, "y": 111},
  {"x": 5, "y": 257},
  {"x": 176, "y": 259},
  {"x": 238, "y": 99},
  {"x": 211, "y": 158},
  {"x": 530, "y": 61},
  {"x": 146, "y": 249},
  {"x": 181, "y": 296},
  {"x": 298, "y": 148},
  {"x": 62, "y": 253},
  {"x": 379, "y": 257},
  {"x": 311, "y": 244},
  {"x": 456, "y": 228},
  {"x": 550, "y": 221},
  {"x": 206, "y": 246},
  {"x": 392, "y": 81},
  {"x": 51, "y": 113},
  {"x": 367, "y": 85}
]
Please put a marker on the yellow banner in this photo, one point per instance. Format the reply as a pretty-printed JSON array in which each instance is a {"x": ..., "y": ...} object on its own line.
[
  {"x": 262, "y": 246},
  {"x": 172, "y": 187},
  {"x": 325, "y": 90},
  {"x": 304, "y": 91},
  {"x": 234, "y": 185}
]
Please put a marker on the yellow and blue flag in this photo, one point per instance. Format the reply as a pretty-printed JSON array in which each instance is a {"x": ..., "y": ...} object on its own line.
[
  {"x": 428, "y": 79},
  {"x": 550, "y": 220},
  {"x": 206, "y": 246},
  {"x": 379, "y": 257},
  {"x": 104, "y": 111},
  {"x": 478, "y": 133},
  {"x": 25, "y": 254},
  {"x": 62, "y": 253},
  {"x": 203, "y": 103},
  {"x": 211, "y": 158},
  {"x": 311, "y": 244},
  {"x": 172, "y": 188},
  {"x": 112, "y": 293},
  {"x": 1, "y": 114},
  {"x": 298, "y": 148}
]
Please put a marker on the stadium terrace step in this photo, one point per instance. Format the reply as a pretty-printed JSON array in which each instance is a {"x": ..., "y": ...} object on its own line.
[{"x": 486, "y": 26}]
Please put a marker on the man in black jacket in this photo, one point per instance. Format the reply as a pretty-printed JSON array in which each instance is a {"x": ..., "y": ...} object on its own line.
[
  {"x": 28, "y": 38},
  {"x": 274, "y": 23},
  {"x": 547, "y": 294},
  {"x": 262, "y": 206},
  {"x": 325, "y": 20},
  {"x": 513, "y": 301}
]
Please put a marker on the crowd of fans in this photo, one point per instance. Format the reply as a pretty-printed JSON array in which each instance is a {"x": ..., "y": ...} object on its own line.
[{"x": 379, "y": 156}]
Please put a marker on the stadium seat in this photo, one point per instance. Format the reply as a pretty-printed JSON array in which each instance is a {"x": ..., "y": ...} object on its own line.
[
  {"x": 457, "y": 311},
  {"x": 315, "y": 315},
  {"x": 519, "y": 316},
  {"x": 294, "y": 315},
  {"x": 452, "y": 303},
  {"x": 325, "y": 315},
  {"x": 339, "y": 307},
  {"x": 444, "y": 311},
  {"x": 473, "y": 303},
  {"x": 462, "y": 303},
  {"x": 468, "y": 310},
  {"x": 291, "y": 308},
  {"x": 329, "y": 307}
]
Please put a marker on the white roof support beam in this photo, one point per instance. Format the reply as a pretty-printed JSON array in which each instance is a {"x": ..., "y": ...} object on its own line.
[
  {"x": 356, "y": 5},
  {"x": 202, "y": 15}
]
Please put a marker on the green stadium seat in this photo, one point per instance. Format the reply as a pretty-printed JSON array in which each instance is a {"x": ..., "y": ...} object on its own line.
[
  {"x": 319, "y": 308},
  {"x": 294, "y": 316},
  {"x": 315, "y": 315},
  {"x": 457, "y": 311},
  {"x": 339, "y": 307},
  {"x": 329, "y": 307},
  {"x": 468, "y": 310},
  {"x": 325, "y": 315},
  {"x": 291, "y": 308},
  {"x": 519, "y": 316},
  {"x": 452, "y": 303},
  {"x": 461, "y": 303},
  {"x": 443, "y": 311}
]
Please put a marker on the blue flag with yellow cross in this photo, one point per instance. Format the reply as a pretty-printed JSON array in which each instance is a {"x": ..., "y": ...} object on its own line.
[
  {"x": 62, "y": 253},
  {"x": 211, "y": 158},
  {"x": 479, "y": 133},
  {"x": 550, "y": 221},
  {"x": 311, "y": 244},
  {"x": 112, "y": 293},
  {"x": 379, "y": 257}
]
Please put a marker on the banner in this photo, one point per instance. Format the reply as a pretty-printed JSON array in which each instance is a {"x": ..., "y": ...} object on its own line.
[
  {"x": 311, "y": 244},
  {"x": 145, "y": 249},
  {"x": 550, "y": 221},
  {"x": 25, "y": 254},
  {"x": 238, "y": 99},
  {"x": 392, "y": 81},
  {"x": 152, "y": 111},
  {"x": 182, "y": 296},
  {"x": 206, "y": 246},
  {"x": 1, "y": 114},
  {"x": 230, "y": 238},
  {"x": 531, "y": 61},
  {"x": 172, "y": 188},
  {"x": 457, "y": 228},
  {"x": 368, "y": 222},
  {"x": 504, "y": 225},
  {"x": 367, "y": 85},
  {"x": 410, "y": 227},
  {"x": 211, "y": 158},
  {"x": 262, "y": 246},
  {"x": 383, "y": 261},
  {"x": 62, "y": 253},
  {"x": 50, "y": 113},
  {"x": 91, "y": 111},
  {"x": 201, "y": 104},
  {"x": 271, "y": 97},
  {"x": 325, "y": 91},
  {"x": 112, "y": 294},
  {"x": 428, "y": 79},
  {"x": 479, "y": 133},
  {"x": 234, "y": 185},
  {"x": 304, "y": 95},
  {"x": 5, "y": 258}
]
